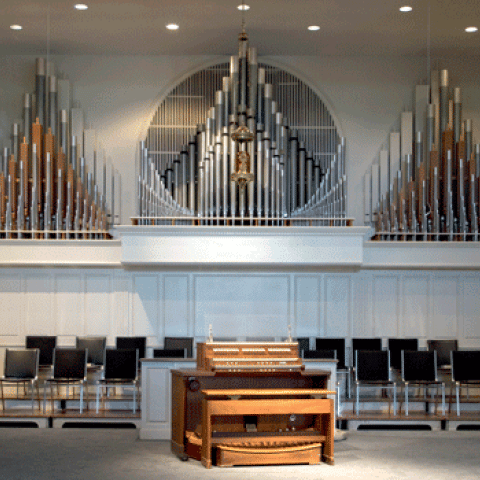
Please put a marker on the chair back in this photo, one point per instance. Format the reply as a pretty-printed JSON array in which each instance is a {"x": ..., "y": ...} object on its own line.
[
  {"x": 320, "y": 354},
  {"x": 466, "y": 366},
  {"x": 443, "y": 349},
  {"x": 179, "y": 343},
  {"x": 396, "y": 345},
  {"x": 303, "y": 345},
  {"x": 46, "y": 344},
  {"x": 95, "y": 346},
  {"x": 372, "y": 366},
  {"x": 169, "y": 353},
  {"x": 22, "y": 363},
  {"x": 137, "y": 343},
  {"x": 70, "y": 363},
  {"x": 419, "y": 366},
  {"x": 121, "y": 364},
  {"x": 370, "y": 344},
  {"x": 337, "y": 344}
]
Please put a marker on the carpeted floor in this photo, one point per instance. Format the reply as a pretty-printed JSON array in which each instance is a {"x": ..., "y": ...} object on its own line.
[{"x": 90, "y": 454}]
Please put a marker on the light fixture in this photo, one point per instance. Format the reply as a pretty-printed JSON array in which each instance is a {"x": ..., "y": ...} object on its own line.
[
  {"x": 471, "y": 29},
  {"x": 406, "y": 8},
  {"x": 244, "y": 7},
  {"x": 81, "y": 6},
  {"x": 314, "y": 28},
  {"x": 172, "y": 26},
  {"x": 16, "y": 27}
]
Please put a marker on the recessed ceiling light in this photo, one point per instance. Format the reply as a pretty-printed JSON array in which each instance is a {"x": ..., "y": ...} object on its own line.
[
  {"x": 243, "y": 7},
  {"x": 173, "y": 26},
  {"x": 471, "y": 29},
  {"x": 406, "y": 8},
  {"x": 314, "y": 28},
  {"x": 16, "y": 27},
  {"x": 81, "y": 6}
]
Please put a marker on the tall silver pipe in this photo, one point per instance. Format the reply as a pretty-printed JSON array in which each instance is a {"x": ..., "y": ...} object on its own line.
[
  {"x": 273, "y": 132},
  {"x": 468, "y": 140},
  {"x": 220, "y": 122},
  {"x": 211, "y": 184},
  {"x": 15, "y": 141},
  {"x": 259, "y": 186},
  {"x": 233, "y": 152},
  {"x": 243, "y": 74},
  {"x": 293, "y": 170},
  {"x": 261, "y": 99},
  {"x": 226, "y": 100},
  {"x": 73, "y": 153},
  {"x": 40, "y": 90},
  {"x": 63, "y": 132},
  {"x": 251, "y": 152},
  {"x": 268, "y": 108},
  {"x": 176, "y": 179},
  {"x": 252, "y": 79},
  {"x": 52, "y": 105},
  {"x": 225, "y": 169},
  {"x": 477, "y": 160},
  {"x": 218, "y": 176},
  {"x": 200, "y": 190},
  {"x": 418, "y": 153},
  {"x": 266, "y": 173},
  {"x": 184, "y": 173},
  {"x": 301, "y": 175},
  {"x": 443, "y": 101},
  {"x": 27, "y": 118},
  {"x": 234, "y": 75},
  {"x": 457, "y": 115},
  {"x": 309, "y": 171},
  {"x": 192, "y": 175}
]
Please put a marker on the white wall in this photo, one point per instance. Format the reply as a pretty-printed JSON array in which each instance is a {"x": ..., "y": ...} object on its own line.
[
  {"x": 112, "y": 302},
  {"x": 367, "y": 95}
]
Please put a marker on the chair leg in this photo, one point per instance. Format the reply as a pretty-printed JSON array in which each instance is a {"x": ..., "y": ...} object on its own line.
[
  {"x": 406, "y": 399},
  {"x": 134, "y": 398},
  {"x": 357, "y": 403},
  {"x": 97, "y": 400},
  {"x": 457, "y": 394},
  {"x": 443, "y": 399},
  {"x": 395, "y": 399},
  {"x": 3, "y": 398},
  {"x": 81, "y": 398}
]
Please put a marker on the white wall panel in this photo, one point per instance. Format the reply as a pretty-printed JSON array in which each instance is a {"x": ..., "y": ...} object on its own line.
[
  {"x": 145, "y": 305},
  {"x": 361, "y": 325},
  {"x": 471, "y": 307},
  {"x": 444, "y": 296},
  {"x": 337, "y": 305},
  {"x": 241, "y": 305},
  {"x": 39, "y": 318},
  {"x": 121, "y": 306},
  {"x": 307, "y": 306},
  {"x": 97, "y": 304},
  {"x": 385, "y": 305},
  {"x": 414, "y": 307},
  {"x": 176, "y": 305},
  {"x": 12, "y": 305},
  {"x": 68, "y": 300}
]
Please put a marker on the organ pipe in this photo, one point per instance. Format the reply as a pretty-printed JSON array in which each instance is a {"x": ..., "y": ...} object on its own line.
[
  {"x": 438, "y": 198},
  {"x": 44, "y": 188},
  {"x": 288, "y": 183}
]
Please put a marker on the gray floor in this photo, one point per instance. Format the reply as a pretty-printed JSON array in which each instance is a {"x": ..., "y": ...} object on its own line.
[{"x": 118, "y": 454}]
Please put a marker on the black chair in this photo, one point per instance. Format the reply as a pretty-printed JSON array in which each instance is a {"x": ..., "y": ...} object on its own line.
[
  {"x": 21, "y": 368},
  {"x": 443, "y": 349},
  {"x": 137, "y": 343},
  {"x": 69, "y": 369},
  {"x": 465, "y": 371},
  {"x": 337, "y": 344},
  {"x": 373, "y": 370},
  {"x": 170, "y": 353},
  {"x": 395, "y": 347},
  {"x": 370, "y": 344},
  {"x": 303, "y": 345},
  {"x": 179, "y": 343},
  {"x": 96, "y": 349},
  {"x": 420, "y": 369},
  {"x": 320, "y": 354},
  {"x": 120, "y": 369},
  {"x": 46, "y": 345}
]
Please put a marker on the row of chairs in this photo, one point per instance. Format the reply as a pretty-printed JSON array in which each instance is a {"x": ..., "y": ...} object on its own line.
[
  {"x": 96, "y": 346},
  {"x": 418, "y": 369},
  {"x": 21, "y": 368}
]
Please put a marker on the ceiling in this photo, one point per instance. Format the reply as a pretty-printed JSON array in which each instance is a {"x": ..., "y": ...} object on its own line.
[{"x": 275, "y": 27}]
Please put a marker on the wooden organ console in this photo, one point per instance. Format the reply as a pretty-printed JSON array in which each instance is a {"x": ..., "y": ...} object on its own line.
[{"x": 251, "y": 403}]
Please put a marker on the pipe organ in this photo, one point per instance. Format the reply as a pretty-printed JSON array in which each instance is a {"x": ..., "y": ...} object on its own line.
[
  {"x": 296, "y": 167},
  {"x": 49, "y": 173},
  {"x": 426, "y": 185}
]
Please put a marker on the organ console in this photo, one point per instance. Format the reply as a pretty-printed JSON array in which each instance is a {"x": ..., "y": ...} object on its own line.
[{"x": 251, "y": 403}]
